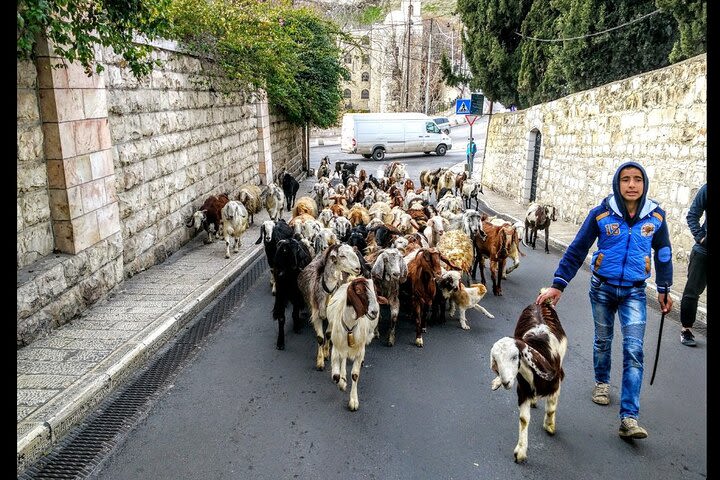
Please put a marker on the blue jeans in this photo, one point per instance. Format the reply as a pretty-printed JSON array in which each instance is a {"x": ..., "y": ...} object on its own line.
[{"x": 631, "y": 306}]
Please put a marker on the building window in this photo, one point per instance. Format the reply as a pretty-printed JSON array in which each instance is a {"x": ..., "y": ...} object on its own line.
[
  {"x": 348, "y": 58},
  {"x": 365, "y": 40},
  {"x": 365, "y": 59},
  {"x": 365, "y": 94},
  {"x": 365, "y": 77},
  {"x": 346, "y": 93}
]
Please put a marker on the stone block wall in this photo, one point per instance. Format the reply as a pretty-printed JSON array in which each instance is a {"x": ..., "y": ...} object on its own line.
[
  {"x": 657, "y": 119},
  {"x": 176, "y": 141},
  {"x": 34, "y": 228},
  {"x": 137, "y": 157},
  {"x": 287, "y": 146}
]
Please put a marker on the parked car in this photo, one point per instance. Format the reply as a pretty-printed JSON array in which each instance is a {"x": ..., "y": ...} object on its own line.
[{"x": 443, "y": 124}]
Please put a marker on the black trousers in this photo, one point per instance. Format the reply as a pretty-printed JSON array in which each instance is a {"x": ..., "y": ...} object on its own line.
[{"x": 696, "y": 283}]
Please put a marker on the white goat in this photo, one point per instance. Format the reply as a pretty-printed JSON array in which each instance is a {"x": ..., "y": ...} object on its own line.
[
  {"x": 234, "y": 223},
  {"x": 318, "y": 280},
  {"x": 352, "y": 312},
  {"x": 274, "y": 201}
]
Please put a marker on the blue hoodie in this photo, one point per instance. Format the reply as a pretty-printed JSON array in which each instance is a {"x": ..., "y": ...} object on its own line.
[{"x": 624, "y": 243}]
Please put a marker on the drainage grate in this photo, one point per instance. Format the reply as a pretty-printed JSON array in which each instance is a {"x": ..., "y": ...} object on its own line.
[{"x": 79, "y": 454}]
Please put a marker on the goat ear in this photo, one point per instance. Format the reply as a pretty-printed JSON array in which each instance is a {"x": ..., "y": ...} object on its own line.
[
  {"x": 378, "y": 269},
  {"x": 537, "y": 362},
  {"x": 403, "y": 270}
]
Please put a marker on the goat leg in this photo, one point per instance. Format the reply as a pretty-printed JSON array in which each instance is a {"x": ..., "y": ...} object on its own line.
[
  {"x": 523, "y": 422},
  {"x": 418, "y": 326},
  {"x": 550, "y": 408},
  {"x": 354, "y": 402},
  {"x": 281, "y": 334},
  {"x": 547, "y": 236}
]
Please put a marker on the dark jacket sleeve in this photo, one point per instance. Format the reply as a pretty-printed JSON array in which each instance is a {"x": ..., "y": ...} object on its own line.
[
  {"x": 663, "y": 257},
  {"x": 696, "y": 211},
  {"x": 577, "y": 251}
]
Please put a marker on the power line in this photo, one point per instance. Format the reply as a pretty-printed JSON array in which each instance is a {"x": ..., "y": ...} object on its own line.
[{"x": 589, "y": 34}]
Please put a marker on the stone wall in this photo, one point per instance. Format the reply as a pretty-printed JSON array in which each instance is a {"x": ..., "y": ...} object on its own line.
[
  {"x": 34, "y": 229},
  {"x": 657, "y": 118},
  {"x": 287, "y": 146},
  {"x": 135, "y": 156},
  {"x": 176, "y": 142}
]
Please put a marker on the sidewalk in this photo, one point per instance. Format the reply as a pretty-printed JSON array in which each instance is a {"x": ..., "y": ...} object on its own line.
[{"x": 62, "y": 377}]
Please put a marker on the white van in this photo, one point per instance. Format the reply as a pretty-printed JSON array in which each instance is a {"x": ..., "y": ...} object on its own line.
[{"x": 375, "y": 134}]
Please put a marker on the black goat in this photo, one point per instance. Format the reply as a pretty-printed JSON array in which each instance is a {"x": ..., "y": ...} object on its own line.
[
  {"x": 270, "y": 234},
  {"x": 290, "y": 187},
  {"x": 290, "y": 258}
]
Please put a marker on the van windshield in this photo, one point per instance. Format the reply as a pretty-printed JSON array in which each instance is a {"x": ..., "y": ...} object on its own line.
[{"x": 430, "y": 127}]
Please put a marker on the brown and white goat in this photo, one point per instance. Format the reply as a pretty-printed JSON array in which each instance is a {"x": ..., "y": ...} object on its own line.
[
  {"x": 320, "y": 279},
  {"x": 534, "y": 357},
  {"x": 353, "y": 312},
  {"x": 538, "y": 217},
  {"x": 463, "y": 298},
  {"x": 208, "y": 217}
]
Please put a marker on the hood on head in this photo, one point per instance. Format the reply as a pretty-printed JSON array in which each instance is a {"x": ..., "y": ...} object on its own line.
[{"x": 618, "y": 197}]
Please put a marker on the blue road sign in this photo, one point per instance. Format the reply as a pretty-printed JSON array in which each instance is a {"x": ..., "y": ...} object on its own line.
[{"x": 462, "y": 106}]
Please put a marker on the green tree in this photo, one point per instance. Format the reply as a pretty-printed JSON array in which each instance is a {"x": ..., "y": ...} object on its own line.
[
  {"x": 598, "y": 59},
  {"x": 539, "y": 77},
  {"x": 691, "y": 17},
  {"x": 292, "y": 53},
  {"x": 74, "y": 27},
  {"x": 491, "y": 45}
]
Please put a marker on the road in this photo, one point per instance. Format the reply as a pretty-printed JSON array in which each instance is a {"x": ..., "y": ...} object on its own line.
[{"x": 244, "y": 410}]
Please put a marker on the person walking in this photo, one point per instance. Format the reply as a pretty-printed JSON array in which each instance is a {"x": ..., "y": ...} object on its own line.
[
  {"x": 470, "y": 152},
  {"x": 627, "y": 226},
  {"x": 697, "y": 267}
]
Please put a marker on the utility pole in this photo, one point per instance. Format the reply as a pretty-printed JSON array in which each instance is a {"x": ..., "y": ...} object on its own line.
[
  {"x": 452, "y": 49},
  {"x": 427, "y": 70},
  {"x": 407, "y": 59},
  {"x": 487, "y": 130}
]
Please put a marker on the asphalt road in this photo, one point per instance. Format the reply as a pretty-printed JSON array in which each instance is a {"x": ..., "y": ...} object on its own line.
[{"x": 243, "y": 410}]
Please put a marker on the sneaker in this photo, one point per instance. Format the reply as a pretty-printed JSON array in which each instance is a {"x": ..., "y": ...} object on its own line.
[
  {"x": 601, "y": 394},
  {"x": 687, "y": 338},
  {"x": 629, "y": 428}
]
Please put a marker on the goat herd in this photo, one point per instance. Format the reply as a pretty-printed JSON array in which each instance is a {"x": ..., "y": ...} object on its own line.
[{"x": 358, "y": 241}]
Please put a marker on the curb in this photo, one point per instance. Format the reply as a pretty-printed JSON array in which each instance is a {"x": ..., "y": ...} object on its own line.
[{"x": 90, "y": 390}]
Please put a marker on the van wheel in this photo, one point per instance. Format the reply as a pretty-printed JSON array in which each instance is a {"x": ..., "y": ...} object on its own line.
[
  {"x": 366, "y": 155},
  {"x": 441, "y": 149},
  {"x": 378, "y": 154}
]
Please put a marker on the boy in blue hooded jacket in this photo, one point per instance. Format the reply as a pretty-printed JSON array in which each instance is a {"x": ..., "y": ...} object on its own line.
[{"x": 627, "y": 226}]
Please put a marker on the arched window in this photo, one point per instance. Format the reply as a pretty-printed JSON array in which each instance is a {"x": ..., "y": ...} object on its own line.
[
  {"x": 365, "y": 77},
  {"x": 365, "y": 94},
  {"x": 348, "y": 58},
  {"x": 365, "y": 59},
  {"x": 346, "y": 93}
]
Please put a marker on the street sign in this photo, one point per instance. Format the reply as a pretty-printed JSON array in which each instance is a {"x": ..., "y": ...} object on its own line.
[
  {"x": 477, "y": 102},
  {"x": 462, "y": 106},
  {"x": 471, "y": 119}
]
